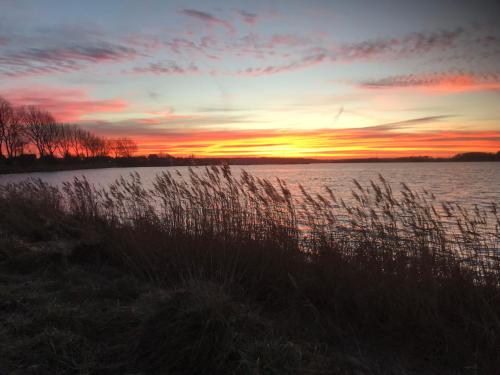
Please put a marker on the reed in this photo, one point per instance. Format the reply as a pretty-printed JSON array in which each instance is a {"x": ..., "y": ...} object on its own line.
[{"x": 396, "y": 269}]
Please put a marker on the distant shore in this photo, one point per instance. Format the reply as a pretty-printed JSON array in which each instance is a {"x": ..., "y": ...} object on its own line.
[{"x": 32, "y": 164}]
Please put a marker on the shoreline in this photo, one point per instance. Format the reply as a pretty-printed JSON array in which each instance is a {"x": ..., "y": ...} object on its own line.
[{"x": 21, "y": 169}]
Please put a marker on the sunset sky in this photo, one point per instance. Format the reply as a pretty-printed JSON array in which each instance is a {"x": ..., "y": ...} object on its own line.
[{"x": 327, "y": 79}]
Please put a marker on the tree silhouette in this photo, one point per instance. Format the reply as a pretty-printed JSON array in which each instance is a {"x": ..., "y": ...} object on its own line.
[{"x": 32, "y": 125}]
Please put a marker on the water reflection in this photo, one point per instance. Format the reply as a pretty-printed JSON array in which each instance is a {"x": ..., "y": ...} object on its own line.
[{"x": 464, "y": 183}]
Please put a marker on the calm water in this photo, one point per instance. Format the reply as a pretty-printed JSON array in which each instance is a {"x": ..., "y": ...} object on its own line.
[{"x": 466, "y": 183}]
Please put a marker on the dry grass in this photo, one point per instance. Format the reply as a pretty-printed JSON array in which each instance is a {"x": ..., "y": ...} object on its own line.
[{"x": 390, "y": 270}]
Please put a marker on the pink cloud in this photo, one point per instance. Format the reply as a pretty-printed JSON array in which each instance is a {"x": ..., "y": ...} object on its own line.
[
  {"x": 287, "y": 40},
  {"x": 44, "y": 60},
  {"x": 64, "y": 104},
  {"x": 208, "y": 18},
  {"x": 247, "y": 17},
  {"x": 398, "y": 139},
  {"x": 162, "y": 117},
  {"x": 409, "y": 45},
  {"x": 305, "y": 62},
  {"x": 259, "y": 46},
  {"x": 438, "y": 82}
]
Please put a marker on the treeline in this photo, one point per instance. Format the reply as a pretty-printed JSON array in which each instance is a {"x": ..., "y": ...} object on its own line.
[
  {"x": 466, "y": 156},
  {"x": 27, "y": 128},
  {"x": 477, "y": 156}
]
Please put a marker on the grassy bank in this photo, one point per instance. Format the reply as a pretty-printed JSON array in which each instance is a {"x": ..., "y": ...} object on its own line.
[{"x": 233, "y": 274}]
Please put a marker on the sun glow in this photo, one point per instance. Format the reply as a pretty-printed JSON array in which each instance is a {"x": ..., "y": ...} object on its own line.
[{"x": 325, "y": 143}]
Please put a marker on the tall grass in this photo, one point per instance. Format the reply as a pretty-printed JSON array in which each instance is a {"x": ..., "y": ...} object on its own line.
[{"x": 398, "y": 269}]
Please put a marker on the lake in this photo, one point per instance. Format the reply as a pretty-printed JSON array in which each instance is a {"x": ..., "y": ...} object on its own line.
[{"x": 464, "y": 183}]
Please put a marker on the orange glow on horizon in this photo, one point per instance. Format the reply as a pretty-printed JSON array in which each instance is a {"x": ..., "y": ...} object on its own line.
[
  {"x": 460, "y": 83},
  {"x": 322, "y": 143},
  {"x": 438, "y": 84}
]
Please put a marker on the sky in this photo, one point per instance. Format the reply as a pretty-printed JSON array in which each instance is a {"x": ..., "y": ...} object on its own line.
[{"x": 323, "y": 79}]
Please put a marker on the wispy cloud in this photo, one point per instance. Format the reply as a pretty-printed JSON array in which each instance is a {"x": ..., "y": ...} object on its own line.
[
  {"x": 41, "y": 60},
  {"x": 406, "y": 124},
  {"x": 439, "y": 82},
  {"x": 181, "y": 45},
  {"x": 163, "y": 117},
  {"x": 406, "y": 46},
  {"x": 247, "y": 17},
  {"x": 279, "y": 53},
  {"x": 208, "y": 18},
  {"x": 252, "y": 45},
  {"x": 210, "y": 136},
  {"x": 307, "y": 61},
  {"x": 393, "y": 139},
  {"x": 465, "y": 44},
  {"x": 65, "y": 104},
  {"x": 170, "y": 125},
  {"x": 260, "y": 44},
  {"x": 166, "y": 68}
]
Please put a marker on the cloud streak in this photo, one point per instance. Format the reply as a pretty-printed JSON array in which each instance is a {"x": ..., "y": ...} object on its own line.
[
  {"x": 305, "y": 62},
  {"x": 438, "y": 82},
  {"x": 322, "y": 142},
  {"x": 276, "y": 53},
  {"x": 65, "y": 104},
  {"x": 463, "y": 44},
  {"x": 44, "y": 60},
  {"x": 166, "y": 68},
  {"x": 186, "y": 136},
  {"x": 247, "y": 17},
  {"x": 208, "y": 18},
  {"x": 406, "y": 46}
]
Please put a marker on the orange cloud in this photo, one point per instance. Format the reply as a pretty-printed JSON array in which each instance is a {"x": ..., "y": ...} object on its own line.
[
  {"x": 447, "y": 83},
  {"x": 321, "y": 143}
]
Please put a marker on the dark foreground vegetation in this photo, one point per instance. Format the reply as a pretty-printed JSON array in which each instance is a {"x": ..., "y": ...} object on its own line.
[{"x": 230, "y": 274}]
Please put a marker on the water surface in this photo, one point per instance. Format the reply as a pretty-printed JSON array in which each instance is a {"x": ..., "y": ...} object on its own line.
[{"x": 465, "y": 183}]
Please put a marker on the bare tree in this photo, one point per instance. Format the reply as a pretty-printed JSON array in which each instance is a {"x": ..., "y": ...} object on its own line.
[
  {"x": 94, "y": 145},
  {"x": 86, "y": 142},
  {"x": 77, "y": 136},
  {"x": 98, "y": 146},
  {"x": 33, "y": 125},
  {"x": 14, "y": 135},
  {"x": 52, "y": 135},
  {"x": 5, "y": 113},
  {"x": 113, "y": 147},
  {"x": 39, "y": 129},
  {"x": 65, "y": 140},
  {"x": 124, "y": 147},
  {"x": 103, "y": 147}
]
